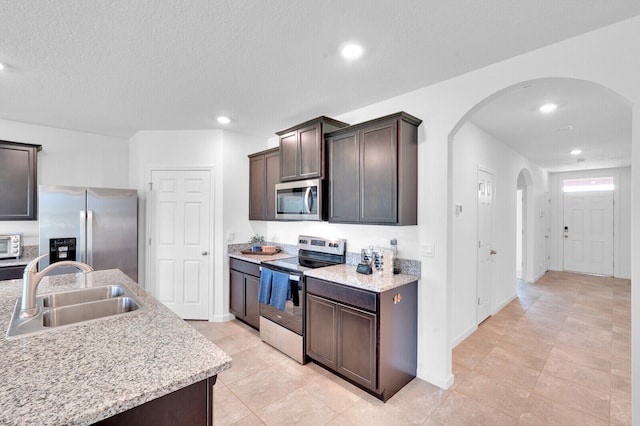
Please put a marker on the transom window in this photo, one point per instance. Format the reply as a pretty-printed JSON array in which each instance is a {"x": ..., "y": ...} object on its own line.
[{"x": 589, "y": 184}]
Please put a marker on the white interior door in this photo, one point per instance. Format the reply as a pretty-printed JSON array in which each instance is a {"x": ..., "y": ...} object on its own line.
[
  {"x": 180, "y": 240},
  {"x": 486, "y": 194},
  {"x": 588, "y": 232}
]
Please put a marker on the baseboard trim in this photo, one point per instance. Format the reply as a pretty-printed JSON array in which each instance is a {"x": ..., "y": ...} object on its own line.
[
  {"x": 509, "y": 299},
  {"x": 223, "y": 318},
  {"x": 463, "y": 335},
  {"x": 442, "y": 383}
]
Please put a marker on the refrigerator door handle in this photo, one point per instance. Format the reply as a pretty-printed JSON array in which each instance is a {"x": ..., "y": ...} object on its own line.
[
  {"x": 83, "y": 235},
  {"x": 90, "y": 237}
]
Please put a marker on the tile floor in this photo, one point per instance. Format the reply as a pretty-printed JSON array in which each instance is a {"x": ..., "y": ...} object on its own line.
[{"x": 560, "y": 354}]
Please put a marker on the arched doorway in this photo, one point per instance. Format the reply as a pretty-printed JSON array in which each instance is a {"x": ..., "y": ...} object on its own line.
[{"x": 479, "y": 140}]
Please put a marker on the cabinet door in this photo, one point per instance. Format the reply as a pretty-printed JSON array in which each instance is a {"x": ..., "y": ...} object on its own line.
[
  {"x": 344, "y": 178},
  {"x": 357, "y": 340},
  {"x": 321, "y": 330},
  {"x": 236, "y": 293},
  {"x": 310, "y": 141},
  {"x": 272, "y": 164},
  {"x": 251, "y": 306},
  {"x": 256, "y": 187},
  {"x": 379, "y": 173},
  {"x": 18, "y": 175},
  {"x": 289, "y": 156}
]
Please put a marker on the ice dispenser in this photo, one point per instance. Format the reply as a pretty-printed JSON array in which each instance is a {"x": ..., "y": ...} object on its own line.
[{"x": 62, "y": 249}]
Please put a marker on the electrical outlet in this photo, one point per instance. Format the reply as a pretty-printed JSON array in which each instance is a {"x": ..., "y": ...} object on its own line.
[{"x": 393, "y": 242}]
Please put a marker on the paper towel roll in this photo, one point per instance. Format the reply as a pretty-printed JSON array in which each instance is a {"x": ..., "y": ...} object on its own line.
[{"x": 389, "y": 261}]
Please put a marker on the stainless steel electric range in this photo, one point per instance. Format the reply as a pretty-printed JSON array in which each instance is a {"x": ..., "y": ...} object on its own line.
[{"x": 282, "y": 316}]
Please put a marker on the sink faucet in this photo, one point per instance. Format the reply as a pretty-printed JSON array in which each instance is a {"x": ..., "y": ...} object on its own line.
[{"x": 32, "y": 278}]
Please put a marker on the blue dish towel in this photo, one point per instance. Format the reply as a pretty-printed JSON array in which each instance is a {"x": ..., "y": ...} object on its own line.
[
  {"x": 264, "y": 292},
  {"x": 279, "y": 288}
]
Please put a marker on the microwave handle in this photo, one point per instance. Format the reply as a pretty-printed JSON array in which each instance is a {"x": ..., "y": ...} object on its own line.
[{"x": 307, "y": 199}]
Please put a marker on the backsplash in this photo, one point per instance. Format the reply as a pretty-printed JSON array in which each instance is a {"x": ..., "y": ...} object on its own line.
[{"x": 30, "y": 251}]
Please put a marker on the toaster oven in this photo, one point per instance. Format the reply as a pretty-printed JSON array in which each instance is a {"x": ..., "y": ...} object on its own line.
[{"x": 10, "y": 245}]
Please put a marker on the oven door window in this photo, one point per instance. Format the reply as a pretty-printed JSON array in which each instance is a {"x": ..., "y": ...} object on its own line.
[{"x": 5, "y": 243}]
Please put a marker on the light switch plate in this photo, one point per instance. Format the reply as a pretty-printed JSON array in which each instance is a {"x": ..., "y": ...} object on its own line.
[{"x": 428, "y": 250}]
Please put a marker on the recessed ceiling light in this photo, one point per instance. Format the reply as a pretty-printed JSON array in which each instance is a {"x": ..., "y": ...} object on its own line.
[
  {"x": 224, "y": 120},
  {"x": 352, "y": 51},
  {"x": 1, "y": 66},
  {"x": 548, "y": 107},
  {"x": 576, "y": 152}
]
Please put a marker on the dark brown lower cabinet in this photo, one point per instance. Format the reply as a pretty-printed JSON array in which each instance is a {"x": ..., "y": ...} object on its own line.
[
  {"x": 192, "y": 405},
  {"x": 368, "y": 338},
  {"x": 244, "y": 284},
  {"x": 11, "y": 272}
]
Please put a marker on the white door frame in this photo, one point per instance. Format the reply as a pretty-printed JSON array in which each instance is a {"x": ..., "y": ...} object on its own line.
[
  {"x": 521, "y": 239},
  {"x": 151, "y": 287}
]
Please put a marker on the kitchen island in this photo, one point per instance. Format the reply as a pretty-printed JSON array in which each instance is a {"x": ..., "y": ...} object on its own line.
[{"x": 88, "y": 372}]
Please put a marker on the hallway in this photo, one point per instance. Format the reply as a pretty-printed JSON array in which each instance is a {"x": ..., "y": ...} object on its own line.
[{"x": 560, "y": 354}]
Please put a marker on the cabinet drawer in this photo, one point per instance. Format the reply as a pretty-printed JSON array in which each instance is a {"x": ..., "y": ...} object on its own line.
[
  {"x": 244, "y": 266},
  {"x": 344, "y": 294}
]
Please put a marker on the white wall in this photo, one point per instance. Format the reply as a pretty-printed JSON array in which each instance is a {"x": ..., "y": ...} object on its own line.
[
  {"x": 621, "y": 217},
  {"x": 473, "y": 147},
  {"x": 68, "y": 158}
]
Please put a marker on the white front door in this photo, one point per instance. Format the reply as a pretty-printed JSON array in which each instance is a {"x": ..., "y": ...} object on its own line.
[
  {"x": 588, "y": 232},
  {"x": 486, "y": 194},
  {"x": 180, "y": 243}
]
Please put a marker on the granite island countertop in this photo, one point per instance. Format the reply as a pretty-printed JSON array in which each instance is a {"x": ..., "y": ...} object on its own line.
[
  {"x": 347, "y": 275},
  {"x": 91, "y": 371}
]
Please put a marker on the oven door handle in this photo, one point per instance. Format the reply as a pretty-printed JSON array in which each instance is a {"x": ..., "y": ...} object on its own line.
[{"x": 292, "y": 277}]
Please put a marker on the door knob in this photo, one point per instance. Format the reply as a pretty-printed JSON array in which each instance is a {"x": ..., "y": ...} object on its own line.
[
  {"x": 204, "y": 253},
  {"x": 493, "y": 252}
]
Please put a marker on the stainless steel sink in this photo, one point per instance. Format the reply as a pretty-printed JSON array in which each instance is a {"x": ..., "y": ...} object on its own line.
[
  {"x": 74, "y": 307},
  {"x": 88, "y": 311},
  {"x": 74, "y": 297}
]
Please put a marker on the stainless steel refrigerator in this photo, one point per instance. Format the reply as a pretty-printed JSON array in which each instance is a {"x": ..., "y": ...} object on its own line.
[{"x": 97, "y": 226}]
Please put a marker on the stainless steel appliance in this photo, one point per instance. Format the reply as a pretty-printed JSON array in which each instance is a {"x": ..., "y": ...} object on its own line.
[
  {"x": 97, "y": 226},
  {"x": 284, "y": 329},
  {"x": 300, "y": 200},
  {"x": 10, "y": 245}
]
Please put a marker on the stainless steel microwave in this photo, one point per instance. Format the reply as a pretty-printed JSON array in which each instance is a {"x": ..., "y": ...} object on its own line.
[
  {"x": 10, "y": 245},
  {"x": 300, "y": 200}
]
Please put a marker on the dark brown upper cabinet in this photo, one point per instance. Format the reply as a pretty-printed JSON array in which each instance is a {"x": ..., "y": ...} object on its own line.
[
  {"x": 264, "y": 172},
  {"x": 302, "y": 153},
  {"x": 373, "y": 171},
  {"x": 18, "y": 181}
]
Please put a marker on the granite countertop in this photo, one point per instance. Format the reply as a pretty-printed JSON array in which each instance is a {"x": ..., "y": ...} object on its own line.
[
  {"x": 257, "y": 258},
  {"x": 91, "y": 371},
  {"x": 347, "y": 275}
]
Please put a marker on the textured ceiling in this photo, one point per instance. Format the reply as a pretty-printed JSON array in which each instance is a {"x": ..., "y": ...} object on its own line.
[{"x": 115, "y": 67}]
